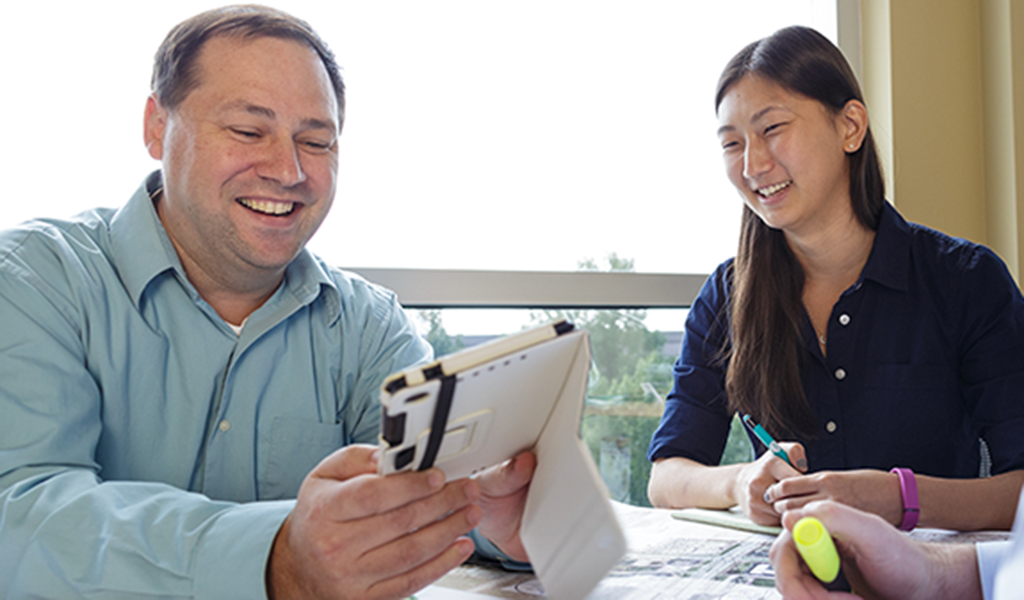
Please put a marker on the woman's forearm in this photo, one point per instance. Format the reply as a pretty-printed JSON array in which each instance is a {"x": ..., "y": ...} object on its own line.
[
  {"x": 969, "y": 504},
  {"x": 683, "y": 483}
]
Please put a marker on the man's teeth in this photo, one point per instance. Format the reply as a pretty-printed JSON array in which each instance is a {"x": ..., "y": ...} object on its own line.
[
  {"x": 773, "y": 189},
  {"x": 268, "y": 207}
]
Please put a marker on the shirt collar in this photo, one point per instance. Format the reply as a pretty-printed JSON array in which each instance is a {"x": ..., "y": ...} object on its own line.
[
  {"x": 889, "y": 261},
  {"x": 307, "y": 278},
  {"x": 140, "y": 246},
  {"x": 142, "y": 250}
]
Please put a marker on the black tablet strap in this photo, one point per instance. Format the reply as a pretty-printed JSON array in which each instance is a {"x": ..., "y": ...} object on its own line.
[{"x": 441, "y": 409}]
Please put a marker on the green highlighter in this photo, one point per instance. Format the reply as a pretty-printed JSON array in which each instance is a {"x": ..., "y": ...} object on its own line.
[{"x": 819, "y": 552}]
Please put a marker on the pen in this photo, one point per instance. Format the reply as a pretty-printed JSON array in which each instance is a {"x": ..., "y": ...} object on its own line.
[{"x": 766, "y": 439}]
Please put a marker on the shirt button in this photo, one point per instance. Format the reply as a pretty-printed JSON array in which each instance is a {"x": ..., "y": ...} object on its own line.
[
  {"x": 844, "y": 319},
  {"x": 224, "y": 425},
  {"x": 831, "y": 427},
  {"x": 840, "y": 374}
]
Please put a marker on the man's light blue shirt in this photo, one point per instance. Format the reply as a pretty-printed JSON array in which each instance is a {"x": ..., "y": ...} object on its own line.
[{"x": 145, "y": 448}]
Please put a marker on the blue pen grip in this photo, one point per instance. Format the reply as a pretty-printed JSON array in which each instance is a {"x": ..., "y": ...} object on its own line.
[{"x": 767, "y": 440}]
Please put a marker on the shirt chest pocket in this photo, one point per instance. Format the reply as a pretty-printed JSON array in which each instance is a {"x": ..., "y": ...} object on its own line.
[{"x": 293, "y": 448}]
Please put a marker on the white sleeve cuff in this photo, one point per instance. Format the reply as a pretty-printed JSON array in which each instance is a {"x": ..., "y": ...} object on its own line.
[{"x": 990, "y": 557}]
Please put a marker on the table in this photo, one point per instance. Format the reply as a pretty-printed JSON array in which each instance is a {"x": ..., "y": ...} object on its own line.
[{"x": 666, "y": 558}]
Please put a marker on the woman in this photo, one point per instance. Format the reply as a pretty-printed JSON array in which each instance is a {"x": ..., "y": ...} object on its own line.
[{"x": 867, "y": 342}]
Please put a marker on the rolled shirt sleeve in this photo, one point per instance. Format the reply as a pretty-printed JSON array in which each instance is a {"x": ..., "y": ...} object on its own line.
[{"x": 696, "y": 420}]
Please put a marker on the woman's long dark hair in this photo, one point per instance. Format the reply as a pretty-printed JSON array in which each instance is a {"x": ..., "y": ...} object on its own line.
[{"x": 767, "y": 316}]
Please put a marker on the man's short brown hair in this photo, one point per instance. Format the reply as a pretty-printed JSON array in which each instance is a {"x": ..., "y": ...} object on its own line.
[{"x": 175, "y": 74}]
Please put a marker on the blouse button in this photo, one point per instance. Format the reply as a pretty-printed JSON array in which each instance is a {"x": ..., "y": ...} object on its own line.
[
  {"x": 840, "y": 374},
  {"x": 844, "y": 319},
  {"x": 831, "y": 427},
  {"x": 224, "y": 425}
]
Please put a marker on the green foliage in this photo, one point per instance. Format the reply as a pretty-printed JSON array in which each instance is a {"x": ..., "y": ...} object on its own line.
[
  {"x": 737, "y": 447},
  {"x": 650, "y": 381},
  {"x": 615, "y": 264},
  {"x": 626, "y": 355},
  {"x": 437, "y": 337},
  {"x": 629, "y": 379},
  {"x": 633, "y": 434}
]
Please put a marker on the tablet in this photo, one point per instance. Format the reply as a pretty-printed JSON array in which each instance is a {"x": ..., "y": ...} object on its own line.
[{"x": 476, "y": 408}]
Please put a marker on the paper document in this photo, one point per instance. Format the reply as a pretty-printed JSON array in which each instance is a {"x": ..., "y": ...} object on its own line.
[{"x": 732, "y": 518}]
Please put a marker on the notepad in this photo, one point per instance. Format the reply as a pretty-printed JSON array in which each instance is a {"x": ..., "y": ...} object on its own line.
[{"x": 732, "y": 518}]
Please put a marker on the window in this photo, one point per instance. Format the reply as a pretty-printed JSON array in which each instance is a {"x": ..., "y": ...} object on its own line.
[
  {"x": 511, "y": 139},
  {"x": 526, "y": 135}
]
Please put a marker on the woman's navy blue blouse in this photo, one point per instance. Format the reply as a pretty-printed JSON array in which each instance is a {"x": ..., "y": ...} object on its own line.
[{"x": 925, "y": 356}]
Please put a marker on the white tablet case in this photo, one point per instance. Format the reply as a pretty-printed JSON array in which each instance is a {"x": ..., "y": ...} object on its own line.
[{"x": 525, "y": 391}]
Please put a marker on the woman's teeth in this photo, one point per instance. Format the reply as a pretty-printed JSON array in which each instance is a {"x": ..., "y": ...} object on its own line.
[{"x": 773, "y": 189}]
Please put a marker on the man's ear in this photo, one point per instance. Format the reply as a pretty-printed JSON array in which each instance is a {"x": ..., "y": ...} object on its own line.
[{"x": 154, "y": 127}]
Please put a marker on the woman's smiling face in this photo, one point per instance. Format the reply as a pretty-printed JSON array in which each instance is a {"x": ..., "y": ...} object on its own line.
[{"x": 786, "y": 154}]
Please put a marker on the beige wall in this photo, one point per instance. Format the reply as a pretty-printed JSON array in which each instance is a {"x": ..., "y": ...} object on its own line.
[{"x": 940, "y": 78}]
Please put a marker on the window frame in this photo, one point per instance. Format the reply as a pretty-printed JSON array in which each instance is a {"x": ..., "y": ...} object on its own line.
[{"x": 443, "y": 288}]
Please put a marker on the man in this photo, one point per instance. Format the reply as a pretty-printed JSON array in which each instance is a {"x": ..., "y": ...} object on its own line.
[
  {"x": 172, "y": 372},
  {"x": 881, "y": 562}
]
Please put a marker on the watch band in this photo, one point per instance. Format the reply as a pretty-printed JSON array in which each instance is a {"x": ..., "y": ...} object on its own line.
[{"x": 908, "y": 490}]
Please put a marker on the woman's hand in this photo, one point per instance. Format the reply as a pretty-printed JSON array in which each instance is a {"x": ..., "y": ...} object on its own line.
[
  {"x": 872, "y": 491},
  {"x": 756, "y": 478}
]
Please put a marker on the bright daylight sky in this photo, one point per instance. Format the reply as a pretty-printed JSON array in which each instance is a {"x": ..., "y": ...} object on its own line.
[{"x": 480, "y": 134}]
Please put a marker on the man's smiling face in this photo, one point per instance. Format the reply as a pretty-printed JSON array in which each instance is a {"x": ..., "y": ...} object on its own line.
[{"x": 249, "y": 159}]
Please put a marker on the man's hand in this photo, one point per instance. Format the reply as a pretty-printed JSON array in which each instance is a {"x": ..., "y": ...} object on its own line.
[
  {"x": 504, "y": 495},
  {"x": 870, "y": 490},
  {"x": 878, "y": 560},
  {"x": 757, "y": 477},
  {"x": 354, "y": 534}
]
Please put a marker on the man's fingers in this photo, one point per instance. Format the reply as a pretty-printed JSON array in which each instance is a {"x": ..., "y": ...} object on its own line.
[
  {"x": 790, "y": 518},
  {"x": 784, "y": 558},
  {"x": 411, "y": 519},
  {"x": 380, "y": 529},
  {"x": 792, "y": 578},
  {"x": 509, "y": 477},
  {"x": 403, "y": 585},
  {"x": 856, "y": 532},
  {"x": 407, "y": 553},
  {"x": 347, "y": 462},
  {"x": 504, "y": 490},
  {"x": 368, "y": 495}
]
